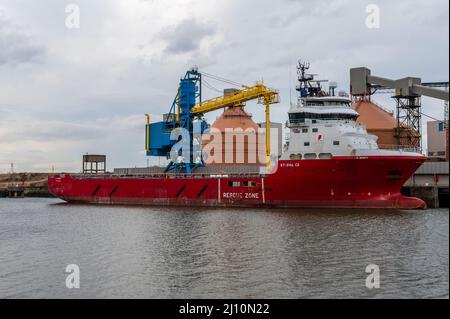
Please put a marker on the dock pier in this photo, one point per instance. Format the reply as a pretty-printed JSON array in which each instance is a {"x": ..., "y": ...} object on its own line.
[
  {"x": 431, "y": 184},
  {"x": 17, "y": 185}
]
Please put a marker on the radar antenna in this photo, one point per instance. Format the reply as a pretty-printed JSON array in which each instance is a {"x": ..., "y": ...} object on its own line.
[{"x": 308, "y": 86}]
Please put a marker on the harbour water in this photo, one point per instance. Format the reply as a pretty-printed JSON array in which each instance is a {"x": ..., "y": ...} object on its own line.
[{"x": 150, "y": 252}]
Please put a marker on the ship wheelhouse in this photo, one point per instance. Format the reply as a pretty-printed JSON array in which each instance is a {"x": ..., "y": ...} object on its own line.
[
  {"x": 323, "y": 127},
  {"x": 323, "y": 109}
]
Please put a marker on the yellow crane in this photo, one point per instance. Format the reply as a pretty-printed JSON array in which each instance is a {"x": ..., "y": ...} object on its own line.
[{"x": 259, "y": 91}]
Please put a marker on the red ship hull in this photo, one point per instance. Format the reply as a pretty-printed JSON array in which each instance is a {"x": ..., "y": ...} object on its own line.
[{"x": 340, "y": 182}]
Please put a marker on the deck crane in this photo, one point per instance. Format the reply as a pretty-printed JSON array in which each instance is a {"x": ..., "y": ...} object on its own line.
[{"x": 188, "y": 111}]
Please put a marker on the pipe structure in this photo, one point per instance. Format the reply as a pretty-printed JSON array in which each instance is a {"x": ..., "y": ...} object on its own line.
[
  {"x": 267, "y": 100},
  {"x": 147, "y": 133}
]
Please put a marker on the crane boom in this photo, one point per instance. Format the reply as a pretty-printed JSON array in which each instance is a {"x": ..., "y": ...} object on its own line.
[
  {"x": 259, "y": 91},
  {"x": 248, "y": 93}
]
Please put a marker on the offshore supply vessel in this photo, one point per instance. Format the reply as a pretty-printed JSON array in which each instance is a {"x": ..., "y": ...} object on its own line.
[{"x": 328, "y": 160}]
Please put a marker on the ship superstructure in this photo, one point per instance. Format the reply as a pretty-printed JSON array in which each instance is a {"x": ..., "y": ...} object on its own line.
[{"x": 323, "y": 125}]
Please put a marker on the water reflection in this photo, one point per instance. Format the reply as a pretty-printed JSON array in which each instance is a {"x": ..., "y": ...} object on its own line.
[{"x": 142, "y": 252}]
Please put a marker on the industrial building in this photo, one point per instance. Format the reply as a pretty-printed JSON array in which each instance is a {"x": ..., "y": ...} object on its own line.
[{"x": 436, "y": 140}]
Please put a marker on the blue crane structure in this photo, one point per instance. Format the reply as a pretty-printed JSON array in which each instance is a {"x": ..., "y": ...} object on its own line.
[{"x": 162, "y": 136}]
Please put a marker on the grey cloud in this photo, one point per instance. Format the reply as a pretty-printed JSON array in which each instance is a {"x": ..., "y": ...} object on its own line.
[
  {"x": 14, "y": 131},
  {"x": 69, "y": 93},
  {"x": 186, "y": 36},
  {"x": 16, "y": 47}
]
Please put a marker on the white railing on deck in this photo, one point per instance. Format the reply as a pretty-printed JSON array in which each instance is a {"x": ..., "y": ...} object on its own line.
[{"x": 401, "y": 148}]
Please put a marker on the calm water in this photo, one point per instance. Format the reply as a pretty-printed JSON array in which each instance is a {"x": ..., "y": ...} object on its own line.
[{"x": 134, "y": 252}]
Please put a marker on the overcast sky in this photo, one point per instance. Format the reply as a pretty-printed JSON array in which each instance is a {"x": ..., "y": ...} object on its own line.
[{"x": 65, "y": 92}]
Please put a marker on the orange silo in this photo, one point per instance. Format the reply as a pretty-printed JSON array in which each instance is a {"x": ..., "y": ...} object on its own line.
[
  {"x": 236, "y": 142},
  {"x": 381, "y": 123}
]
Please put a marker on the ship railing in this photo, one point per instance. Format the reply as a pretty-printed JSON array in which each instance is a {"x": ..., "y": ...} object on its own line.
[
  {"x": 166, "y": 175},
  {"x": 401, "y": 148}
]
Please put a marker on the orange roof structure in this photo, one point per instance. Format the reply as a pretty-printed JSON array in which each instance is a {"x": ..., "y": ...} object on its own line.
[
  {"x": 382, "y": 123},
  {"x": 245, "y": 147},
  {"x": 374, "y": 116}
]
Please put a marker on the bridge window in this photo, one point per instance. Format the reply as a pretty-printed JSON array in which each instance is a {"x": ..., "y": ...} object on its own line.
[
  {"x": 300, "y": 117},
  {"x": 305, "y": 130},
  {"x": 322, "y": 103},
  {"x": 336, "y": 143},
  {"x": 306, "y": 144},
  {"x": 315, "y": 130}
]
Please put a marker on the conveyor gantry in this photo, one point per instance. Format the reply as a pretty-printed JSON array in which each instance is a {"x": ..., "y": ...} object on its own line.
[{"x": 407, "y": 92}]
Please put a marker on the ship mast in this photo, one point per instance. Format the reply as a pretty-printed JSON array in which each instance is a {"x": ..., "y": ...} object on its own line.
[{"x": 308, "y": 86}]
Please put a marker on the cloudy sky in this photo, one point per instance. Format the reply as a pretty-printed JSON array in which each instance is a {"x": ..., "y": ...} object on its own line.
[{"x": 66, "y": 91}]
